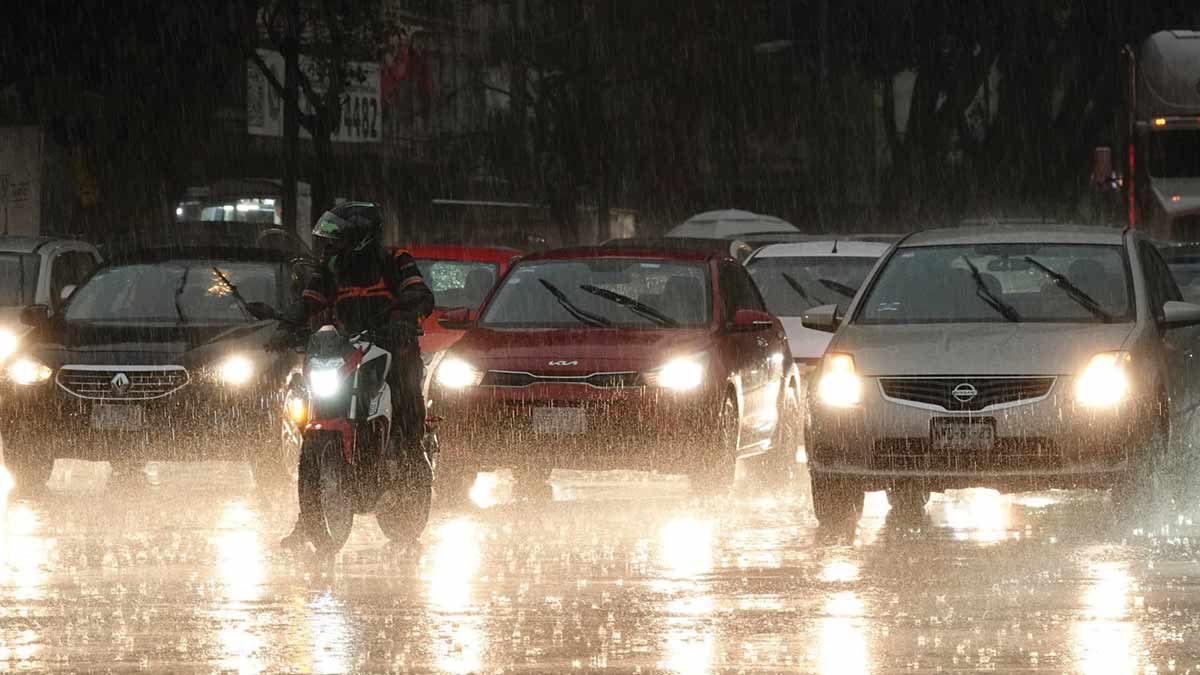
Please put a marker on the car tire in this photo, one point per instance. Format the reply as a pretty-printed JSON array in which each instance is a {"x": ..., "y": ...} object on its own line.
[
  {"x": 718, "y": 466},
  {"x": 1144, "y": 471},
  {"x": 275, "y": 462},
  {"x": 29, "y": 469},
  {"x": 781, "y": 463},
  {"x": 836, "y": 499}
]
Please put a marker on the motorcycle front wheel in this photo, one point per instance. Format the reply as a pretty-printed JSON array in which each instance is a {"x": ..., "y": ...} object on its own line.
[
  {"x": 325, "y": 489},
  {"x": 403, "y": 510}
]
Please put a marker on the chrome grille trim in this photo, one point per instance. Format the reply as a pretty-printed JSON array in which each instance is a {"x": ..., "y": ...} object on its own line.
[
  {"x": 145, "y": 382},
  {"x": 1006, "y": 391},
  {"x": 513, "y": 379}
]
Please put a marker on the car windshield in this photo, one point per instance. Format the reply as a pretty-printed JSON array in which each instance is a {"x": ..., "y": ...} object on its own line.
[
  {"x": 458, "y": 283},
  {"x": 18, "y": 279},
  {"x": 1016, "y": 282},
  {"x": 178, "y": 291},
  {"x": 601, "y": 293},
  {"x": 792, "y": 285}
]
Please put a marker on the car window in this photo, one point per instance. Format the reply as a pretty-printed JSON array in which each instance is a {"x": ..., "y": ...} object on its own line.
[
  {"x": 187, "y": 291},
  {"x": 1159, "y": 280},
  {"x": 937, "y": 284},
  {"x": 458, "y": 283},
  {"x": 18, "y": 279},
  {"x": 738, "y": 291},
  {"x": 792, "y": 285},
  {"x": 69, "y": 268},
  {"x": 601, "y": 292}
]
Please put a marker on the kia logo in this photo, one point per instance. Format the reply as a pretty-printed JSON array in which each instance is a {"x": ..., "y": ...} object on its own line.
[
  {"x": 564, "y": 363},
  {"x": 964, "y": 392},
  {"x": 119, "y": 384}
]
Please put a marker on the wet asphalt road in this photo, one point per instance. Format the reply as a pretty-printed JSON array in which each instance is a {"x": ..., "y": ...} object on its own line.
[{"x": 178, "y": 570}]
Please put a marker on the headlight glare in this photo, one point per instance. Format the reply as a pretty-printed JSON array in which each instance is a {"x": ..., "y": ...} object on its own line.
[
  {"x": 682, "y": 374},
  {"x": 297, "y": 410},
  {"x": 454, "y": 373},
  {"x": 324, "y": 382},
  {"x": 236, "y": 370},
  {"x": 28, "y": 371},
  {"x": 839, "y": 386},
  {"x": 1104, "y": 381},
  {"x": 8, "y": 343}
]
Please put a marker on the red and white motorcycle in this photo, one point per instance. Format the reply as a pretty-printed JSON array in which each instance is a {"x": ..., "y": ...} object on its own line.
[{"x": 341, "y": 407}]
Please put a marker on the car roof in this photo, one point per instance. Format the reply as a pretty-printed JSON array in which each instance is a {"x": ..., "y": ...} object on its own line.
[
  {"x": 23, "y": 244},
  {"x": 823, "y": 249},
  {"x": 647, "y": 253},
  {"x": 1016, "y": 234},
  {"x": 496, "y": 254},
  {"x": 156, "y": 254}
]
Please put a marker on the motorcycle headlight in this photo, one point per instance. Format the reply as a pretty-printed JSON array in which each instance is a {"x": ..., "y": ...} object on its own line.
[
  {"x": 1104, "y": 381},
  {"x": 297, "y": 409},
  {"x": 236, "y": 370},
  {"x": 680, "y": 374},
  {"x": 839, "y": 386},
  {"x": 454, "y": 373},
  {"x": 8, "y": 344},
  {"x": 28, "y": 371},
  {"x": 324, "y": 382}
]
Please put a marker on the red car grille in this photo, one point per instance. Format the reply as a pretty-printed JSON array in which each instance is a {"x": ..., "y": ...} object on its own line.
[{"x": 504, "y": 378}]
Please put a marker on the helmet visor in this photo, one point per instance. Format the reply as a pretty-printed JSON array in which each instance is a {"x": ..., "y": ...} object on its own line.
[{"x": 331, "y": 226}]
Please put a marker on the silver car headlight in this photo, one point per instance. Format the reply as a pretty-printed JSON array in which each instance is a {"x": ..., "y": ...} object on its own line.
[
  {"x": 1104, "y": 381},
  {"x": 839, "y": 386}
]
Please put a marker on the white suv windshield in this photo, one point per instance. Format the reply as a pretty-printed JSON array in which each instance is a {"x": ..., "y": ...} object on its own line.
[
  {"x": 1046, "y": 283},
  {"x": 601, "y": 293},
  {"x": 792, "y": 285}
]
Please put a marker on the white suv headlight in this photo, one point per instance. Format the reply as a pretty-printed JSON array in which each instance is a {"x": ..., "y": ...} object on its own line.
[
  {"x": 839, "y": 386},
  {"x": 1104, "y": 381}
]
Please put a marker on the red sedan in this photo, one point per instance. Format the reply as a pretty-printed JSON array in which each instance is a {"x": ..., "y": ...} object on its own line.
[
  {"x": 459, "y": 276},
  {"x": 617, "y": 358}
]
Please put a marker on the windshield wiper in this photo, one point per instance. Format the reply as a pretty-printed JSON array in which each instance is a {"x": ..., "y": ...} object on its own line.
[
  {"x": 233, "y": 291},
  {"x": 796, "y": 286},
  {"x": 632, "y": 305},
  {"x": 840, "y": 289},
  {"x": 984, "y": 293},
  {"x": 1074, "y": 292},
  {"x": 581, "y": 315},
  {"x": 183, "y": 278}
]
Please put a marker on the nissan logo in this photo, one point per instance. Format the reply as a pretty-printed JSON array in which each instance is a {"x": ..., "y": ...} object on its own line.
[
  {"x": 964, "y": 392},
  {"x": 564, "y": 363},
  {"x": 119, "y": 384}
]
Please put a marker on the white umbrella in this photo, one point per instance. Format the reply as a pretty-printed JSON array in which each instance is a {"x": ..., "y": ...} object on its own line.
[{"x": 729, "y": 224}]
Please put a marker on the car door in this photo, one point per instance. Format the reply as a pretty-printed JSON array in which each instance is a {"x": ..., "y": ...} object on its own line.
[
  {"x": 1180, "y": 344},
  {"x": 759, "y": 371}
]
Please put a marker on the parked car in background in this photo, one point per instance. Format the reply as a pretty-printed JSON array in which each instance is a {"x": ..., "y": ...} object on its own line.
[
  {"x": 611, "y": 357},
  {"x": 734, "y": 248},
  {"x": 1043, "y": 356},
  {"x": 459, "y": 276},
  {"x": 158, "y": 355},
  {"x": 37, "y": 271},
  {"x": 729, "y": 224},
  {"x": 795, "y": 278}
]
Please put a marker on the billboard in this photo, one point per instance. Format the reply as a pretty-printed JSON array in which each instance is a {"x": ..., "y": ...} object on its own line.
[{"x": 360, "y": 121}]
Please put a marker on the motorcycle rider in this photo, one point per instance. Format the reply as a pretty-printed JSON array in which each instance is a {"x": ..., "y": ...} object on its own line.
[{"x": 364, "y": 284}]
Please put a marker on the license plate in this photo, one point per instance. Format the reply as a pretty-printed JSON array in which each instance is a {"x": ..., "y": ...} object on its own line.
[
  {"x": 109, "y": 417},
  {"x": 559, "y": 421},
  {"x": 963, "y": 434}
]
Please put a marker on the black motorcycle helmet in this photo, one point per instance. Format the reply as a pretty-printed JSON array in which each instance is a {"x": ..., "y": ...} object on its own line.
[{"x": 350, "y": 226}]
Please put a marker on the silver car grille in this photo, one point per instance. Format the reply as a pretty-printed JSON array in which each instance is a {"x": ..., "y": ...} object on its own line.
[
  {"x": 115, "y": 383},
  {"x": 949, "y": 393}
]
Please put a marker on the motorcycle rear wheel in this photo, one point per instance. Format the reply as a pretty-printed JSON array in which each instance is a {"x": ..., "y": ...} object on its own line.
[
  {"x": 403, "y": 510},
  {"x": 325, "y": 486}
]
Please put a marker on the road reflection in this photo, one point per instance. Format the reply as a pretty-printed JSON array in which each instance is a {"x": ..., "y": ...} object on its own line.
[
  {"x": 977, "y": 515},
  {"x": 240, "y": 572},
  {"x": 1105, "y": 638},
  {"x": 450, "y": 570},
  {"x": 842, "y": 646},
  {"x": 686, "y": 557},
  {"x": 24, "y": 557}
]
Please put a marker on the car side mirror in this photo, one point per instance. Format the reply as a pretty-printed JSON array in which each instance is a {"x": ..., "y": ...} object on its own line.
[
  {"x": 458, "y": 318},
  {"x": 1178, "y": 314},
  {"x": 751, "y": 319},
  {"x": 66, "y": 292},
  {"x": 36, "y": 316},
  {"x": 825, "y": 318},
  {"x": 261, "y": 310}
]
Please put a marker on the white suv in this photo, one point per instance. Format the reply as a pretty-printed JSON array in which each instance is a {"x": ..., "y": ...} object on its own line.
[{"x": 1042, "y": 356}]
